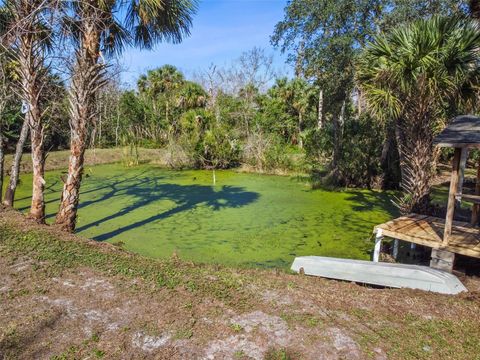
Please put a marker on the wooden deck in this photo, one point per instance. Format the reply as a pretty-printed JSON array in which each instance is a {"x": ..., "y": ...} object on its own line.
[{"x": 428, "y": 231}]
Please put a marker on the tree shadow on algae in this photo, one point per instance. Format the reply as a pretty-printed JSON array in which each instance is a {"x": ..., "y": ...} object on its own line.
[
  {"x": 186, "y": 197},
  {"x": 112, "y": 184}
]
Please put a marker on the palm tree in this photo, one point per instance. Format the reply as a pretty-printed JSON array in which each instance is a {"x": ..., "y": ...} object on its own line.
[
  {"x": 15, "y": 168},
  {"x": 302, "y": 93},
  {"x": 29, "y": 38},
  {"x": 191, "y": 95},
  {"x": 294, "y": 99},
  {"x": 418, "y": 76},
  {"x": 5, "y": 98},
  {"x": 101, "y": 28},
  {"x": 160, "y": 81},
  {"x": 161, "y": 85}
]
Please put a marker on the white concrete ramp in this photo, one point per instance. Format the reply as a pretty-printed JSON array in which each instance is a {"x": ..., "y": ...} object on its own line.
[{"x": 378, "y": 273}]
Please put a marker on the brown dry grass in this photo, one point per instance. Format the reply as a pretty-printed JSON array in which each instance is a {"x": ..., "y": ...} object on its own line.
[
  {"x": 59, "y": 159},
  {"x": 65, "y": 297}
]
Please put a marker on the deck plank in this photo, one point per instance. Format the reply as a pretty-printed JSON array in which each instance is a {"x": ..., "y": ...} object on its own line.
[
  {"x": 401, "y": 222},
  {"x": 425, "y": 228},
  {"x": 428, "y": 231}
]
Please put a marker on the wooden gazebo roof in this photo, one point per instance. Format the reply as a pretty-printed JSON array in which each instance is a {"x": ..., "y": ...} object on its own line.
[{"x": 462, "y": 132}]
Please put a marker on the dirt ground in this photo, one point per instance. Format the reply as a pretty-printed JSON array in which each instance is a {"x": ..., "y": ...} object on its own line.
[{"x": 53, "y": 305}]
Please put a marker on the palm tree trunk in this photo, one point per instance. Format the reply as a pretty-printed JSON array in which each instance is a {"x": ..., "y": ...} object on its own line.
[
  {"x": 70, "y": 196},
  {"x": 418, "y": 172},
  {"x": 86, "y": 81},
  {"x": 31, "y": 64},
  {"x": 417, "y": 163},
  {"x": 15, "y": 171},
  {"x": 37, "y": 209}
]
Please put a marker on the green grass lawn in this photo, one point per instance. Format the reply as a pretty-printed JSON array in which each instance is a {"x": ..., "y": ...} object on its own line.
[{"x": 245, "y": 219}]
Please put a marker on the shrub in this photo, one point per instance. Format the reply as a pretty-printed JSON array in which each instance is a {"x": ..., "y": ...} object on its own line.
[
  {"x": 217, "y": 149},
  {"x": 178, "y": 155},
  {"x": 208, "y": 142},
  {"x": 266, "y": 153}
]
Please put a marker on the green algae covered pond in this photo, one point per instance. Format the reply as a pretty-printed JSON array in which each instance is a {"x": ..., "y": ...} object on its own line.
[{"x": 242, "y": 220}]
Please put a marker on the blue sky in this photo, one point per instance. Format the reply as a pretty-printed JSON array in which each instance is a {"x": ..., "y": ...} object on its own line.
[{"x": 222, "y": 30}]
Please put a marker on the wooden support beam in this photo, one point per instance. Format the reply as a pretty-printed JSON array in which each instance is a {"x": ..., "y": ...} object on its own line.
[
  {"x": 476, "y": 207},
  {"x": 469, "y": 198},
  {"x": 454, "y": 185}
]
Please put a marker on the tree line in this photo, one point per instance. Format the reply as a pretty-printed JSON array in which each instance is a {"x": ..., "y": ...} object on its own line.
[
  {"x": 392, "y": 74},
  {"x": 374, "y": 82}
]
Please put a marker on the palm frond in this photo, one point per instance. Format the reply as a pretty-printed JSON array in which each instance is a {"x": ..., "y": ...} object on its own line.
[{"x": 153, "y": 21}]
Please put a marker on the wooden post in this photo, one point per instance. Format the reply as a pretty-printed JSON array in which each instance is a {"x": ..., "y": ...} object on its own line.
[
  {"x": 454, "y": 184},
  {"x": 395, "y": 249},
  {"x": 378, "y": 245},
  {"x": 461, "y": 176},
  {"x": 476, "y": 207}
]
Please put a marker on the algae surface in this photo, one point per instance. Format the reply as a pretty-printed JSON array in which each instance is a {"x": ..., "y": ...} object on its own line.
[{"x": 242, "y": 220}]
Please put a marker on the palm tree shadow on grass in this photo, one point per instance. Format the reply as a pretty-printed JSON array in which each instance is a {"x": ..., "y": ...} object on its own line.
[
  {"x": 114, "y": 190},
  {"x": 112, "y": 183},
  {"x": 185, "y": 197},
  {"x": 50, "y": 189}
]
